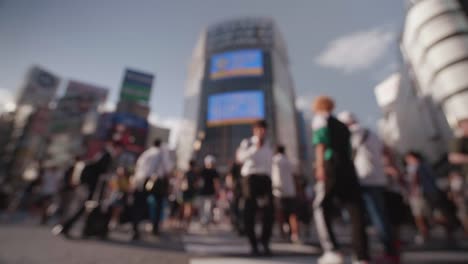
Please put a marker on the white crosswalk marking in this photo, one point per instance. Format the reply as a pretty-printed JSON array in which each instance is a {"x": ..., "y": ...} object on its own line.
[
  {"x": 225, "y": 247},
  {"x": 284, "y": 260}
]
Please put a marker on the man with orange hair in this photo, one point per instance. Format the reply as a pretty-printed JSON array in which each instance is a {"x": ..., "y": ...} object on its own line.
[{"x": 336, "y": 179}]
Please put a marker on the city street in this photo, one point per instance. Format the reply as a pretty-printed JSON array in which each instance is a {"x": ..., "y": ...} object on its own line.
[{"x": 28, "y": 243}]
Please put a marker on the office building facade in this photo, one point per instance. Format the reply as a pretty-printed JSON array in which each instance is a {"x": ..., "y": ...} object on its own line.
[{"x": 239, "y": 73}]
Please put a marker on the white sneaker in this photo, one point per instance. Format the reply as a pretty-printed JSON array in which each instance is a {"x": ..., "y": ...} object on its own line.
[
  {"x": 331, "y": 257},
  {"x": 57, "y": 230}
]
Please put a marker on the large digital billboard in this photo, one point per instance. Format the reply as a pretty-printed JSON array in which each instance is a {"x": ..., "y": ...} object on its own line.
[
  {"x": 236, "y": 63},
  {"x": 238, "y": 107}
]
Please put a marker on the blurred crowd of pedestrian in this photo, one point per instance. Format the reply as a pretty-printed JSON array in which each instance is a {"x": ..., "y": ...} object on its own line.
[{"x": 353, "y": 170}]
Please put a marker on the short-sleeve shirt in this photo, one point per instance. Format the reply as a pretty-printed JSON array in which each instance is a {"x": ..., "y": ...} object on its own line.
[
  {"x": 208, "y": 177},
  {"x": 190, "y": 178},
  {"x": 460, "y": 145},
  {"x": 321, "y": 134}
]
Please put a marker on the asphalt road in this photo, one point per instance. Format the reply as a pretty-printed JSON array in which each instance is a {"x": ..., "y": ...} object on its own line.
[{"x": 28, "y": 243}]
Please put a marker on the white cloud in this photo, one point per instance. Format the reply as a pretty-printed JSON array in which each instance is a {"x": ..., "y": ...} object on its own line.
[
  {"x": 357, "y": 51},
  {"x": 173, "y": 123}
]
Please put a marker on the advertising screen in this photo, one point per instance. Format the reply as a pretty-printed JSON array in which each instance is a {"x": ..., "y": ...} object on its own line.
[
  {"x": 235, "y": 107},
  {"x": 236, "y": 63}
]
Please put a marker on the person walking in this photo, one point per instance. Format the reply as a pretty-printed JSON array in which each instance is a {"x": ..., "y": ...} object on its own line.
[
  {"x": 336, "y": 179},
  {"x": 151, "y": 185},
  {"x": 189, "y": 192},
  {"x": 284, "y": 191},
  {"x": 209, "y": 188},
  {"x": 425, "y": 196},
  {"x": 458, "y": 155},
  {"x": 119, "y": 186},
  {"x": 50, "y": 182},
  {"x": 68, "y": 187},
  {"x": 89, "y": 180},
  {"x": 368, "y": 151},
  {"x": 256, "y": 156},
  {"x": 234, "y": 182}
]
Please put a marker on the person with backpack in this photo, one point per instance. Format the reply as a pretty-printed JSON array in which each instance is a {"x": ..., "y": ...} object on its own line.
[
  {"x": 336, "y": 179},
  {"x": 368, "y": 151}
]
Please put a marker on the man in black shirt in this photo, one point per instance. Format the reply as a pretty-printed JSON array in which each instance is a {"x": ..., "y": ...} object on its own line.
[
  {"x": 336, "y": 179},
  {"x": 209, "y": 189}
]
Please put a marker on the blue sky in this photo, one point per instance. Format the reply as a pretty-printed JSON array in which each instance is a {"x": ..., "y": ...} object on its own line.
[{"x": 338, "y": 47}]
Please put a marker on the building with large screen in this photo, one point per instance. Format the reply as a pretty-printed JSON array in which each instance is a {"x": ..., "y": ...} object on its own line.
[{"x": 239, "y": 73}]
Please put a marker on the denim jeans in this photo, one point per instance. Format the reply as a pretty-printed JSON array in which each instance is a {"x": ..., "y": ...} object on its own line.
[{"x": 374, "y": 200}]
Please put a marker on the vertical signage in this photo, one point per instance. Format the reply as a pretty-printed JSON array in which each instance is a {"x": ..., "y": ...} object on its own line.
[{"x": 136, "y": 87}]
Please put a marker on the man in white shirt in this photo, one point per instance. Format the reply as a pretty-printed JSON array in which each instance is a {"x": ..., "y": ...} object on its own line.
[
  {"x": 368, "y": 152},
  {"x": 256, "y": 156},
  {"x": 150, "y": 180},
  {"x": 284, "y": 190}
]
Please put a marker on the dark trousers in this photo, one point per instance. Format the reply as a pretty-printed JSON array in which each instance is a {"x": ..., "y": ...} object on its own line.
[
  {"x": 349, "y": 195},
  {"x": 237, "y": 218},
  {"x": 68, "y": 223},
  {"x": 259, "y": 195},
  {"x": 149, "y": 204},
  {"x": 374, "y": 200},
  {"x": 138, "y": 209},
  {"x": 156, "y": 206}
]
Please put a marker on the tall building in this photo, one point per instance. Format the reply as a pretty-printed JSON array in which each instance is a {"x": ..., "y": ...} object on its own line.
[
  {"x": 28, "y": 140},
  {"x": 434, "y": 44},
  {"x": 239, "y": 73},
  {"x": 411, "y": 122},
  {"x": 73, "y": 120},
  {"x": 424, "y": 101},
  {"x": 39, "y": 88}
]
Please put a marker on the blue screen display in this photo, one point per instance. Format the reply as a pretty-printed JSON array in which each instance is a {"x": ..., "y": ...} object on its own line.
[
  {"x": 236, "y": 63},
  {"x": 235, "y": 107}
]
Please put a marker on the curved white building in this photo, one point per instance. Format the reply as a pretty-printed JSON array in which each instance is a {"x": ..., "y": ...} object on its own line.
[{"x": 435, "y": 44}]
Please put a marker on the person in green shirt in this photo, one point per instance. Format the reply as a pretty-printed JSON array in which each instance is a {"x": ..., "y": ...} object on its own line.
[{"x": 336, "y": 179}]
